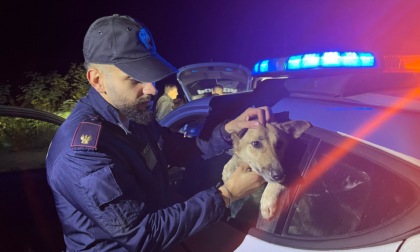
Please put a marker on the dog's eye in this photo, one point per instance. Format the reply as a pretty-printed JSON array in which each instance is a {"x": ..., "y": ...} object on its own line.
[{"x": 257, "y": 144}]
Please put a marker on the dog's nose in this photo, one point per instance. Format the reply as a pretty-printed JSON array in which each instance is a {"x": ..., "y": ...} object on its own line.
[{"x": 277, "y": 176}]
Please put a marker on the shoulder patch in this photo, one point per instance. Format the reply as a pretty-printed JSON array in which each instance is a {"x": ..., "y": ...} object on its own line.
[{"x": 86, "y": 135}]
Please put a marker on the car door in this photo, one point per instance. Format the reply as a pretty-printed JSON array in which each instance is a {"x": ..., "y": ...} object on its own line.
[
  {"x": 28, "y": 219},
  {"x": 348, "y": 195}
]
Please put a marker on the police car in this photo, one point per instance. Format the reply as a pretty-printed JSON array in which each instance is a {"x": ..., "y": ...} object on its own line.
[{"x": 353, "y": 179}]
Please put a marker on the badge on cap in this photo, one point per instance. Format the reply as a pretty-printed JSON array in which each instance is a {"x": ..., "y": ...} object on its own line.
[{"x": 145, "y": 38}]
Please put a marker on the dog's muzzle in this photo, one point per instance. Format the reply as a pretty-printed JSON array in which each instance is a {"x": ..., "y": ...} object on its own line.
[{"x": 277, "y": 176}]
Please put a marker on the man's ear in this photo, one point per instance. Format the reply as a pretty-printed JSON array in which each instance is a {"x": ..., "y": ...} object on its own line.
[{"x": 95, "y": 78}]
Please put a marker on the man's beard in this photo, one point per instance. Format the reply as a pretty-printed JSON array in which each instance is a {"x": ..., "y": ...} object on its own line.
[{"x": 140, "y": 117}]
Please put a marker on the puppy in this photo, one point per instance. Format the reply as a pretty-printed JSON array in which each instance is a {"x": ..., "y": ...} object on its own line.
[{"x": 263, "y": 149}]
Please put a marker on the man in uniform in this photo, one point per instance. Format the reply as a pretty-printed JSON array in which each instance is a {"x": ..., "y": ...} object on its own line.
[
  {"x": 107, "y": 164},
  {"x": 165, "y": 103}
]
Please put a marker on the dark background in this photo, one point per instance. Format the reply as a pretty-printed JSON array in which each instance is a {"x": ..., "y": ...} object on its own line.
[{"x": 46, "y": 36}]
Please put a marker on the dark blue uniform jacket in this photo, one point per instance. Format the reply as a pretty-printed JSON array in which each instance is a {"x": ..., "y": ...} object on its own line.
[{"x": 110, "y": 182}]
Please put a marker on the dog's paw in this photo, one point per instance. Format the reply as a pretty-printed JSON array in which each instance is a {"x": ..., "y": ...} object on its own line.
[
  {"x": 268, "y": 207},
  {"x": 229, "y": 168},
  {"x": 268, "y": 204}
]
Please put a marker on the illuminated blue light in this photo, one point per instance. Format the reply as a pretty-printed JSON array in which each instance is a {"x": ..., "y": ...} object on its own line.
[
  {"x": 316, "y": 61},
  {"x": 269, "y": 65},
  {"x": 263, "y": 66},
  {"x": 294, "y": 62},
  {"x": 256, "y": 67},
  {"x": 310, "y": 60},
  {"x": 330, "y": 60},
  {"x": 349, "y": 59},
  {"x": 367, "y": 59}
]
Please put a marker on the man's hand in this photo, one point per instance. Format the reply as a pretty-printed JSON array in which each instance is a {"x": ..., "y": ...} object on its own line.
[
  {"x": 247, "y": 119},
  {"x": 241, "y": 183}
]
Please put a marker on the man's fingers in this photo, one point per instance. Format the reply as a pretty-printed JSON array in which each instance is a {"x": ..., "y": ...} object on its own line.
[
  {"x": 262, "y": 114},
  {"x": 267, "y": 113},
  {"x": 248, "y": 124},
  {"x": 258, "y": 180},
  {"x": 250, "y": 118},
  {"x": 243, "y": 166}
]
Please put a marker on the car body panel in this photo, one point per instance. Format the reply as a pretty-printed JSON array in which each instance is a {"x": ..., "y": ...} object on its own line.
[
  {"x": 411, "y": 244},
  {"x": 370, "y": 123},
  {"x": 251, "y": 243},
  {"x": 197, "y": 107}
]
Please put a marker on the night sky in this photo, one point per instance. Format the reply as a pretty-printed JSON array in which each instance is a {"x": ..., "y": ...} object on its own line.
[{"x": 46, "y": 36}]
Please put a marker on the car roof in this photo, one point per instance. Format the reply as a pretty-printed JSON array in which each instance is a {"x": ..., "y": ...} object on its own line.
[{"x": 386, "y": 81}]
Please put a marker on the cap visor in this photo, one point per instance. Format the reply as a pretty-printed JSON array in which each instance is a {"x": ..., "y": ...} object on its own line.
[{"x": 149, "y": 69}]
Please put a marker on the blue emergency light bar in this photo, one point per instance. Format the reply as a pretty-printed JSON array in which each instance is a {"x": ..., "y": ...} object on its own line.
[{"x": 315, "y": 61}]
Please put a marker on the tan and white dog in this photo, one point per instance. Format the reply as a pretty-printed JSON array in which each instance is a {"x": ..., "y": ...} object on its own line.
[{"x": 263, "y": 149}]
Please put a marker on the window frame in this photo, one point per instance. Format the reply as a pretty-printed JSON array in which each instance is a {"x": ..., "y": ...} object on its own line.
[
  {"x": 395, "y": 230},
  {"x": 20, "y": 113}
]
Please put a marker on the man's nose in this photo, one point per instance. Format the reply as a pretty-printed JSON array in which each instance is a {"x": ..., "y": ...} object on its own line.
[{"x": 149, "y": 88}]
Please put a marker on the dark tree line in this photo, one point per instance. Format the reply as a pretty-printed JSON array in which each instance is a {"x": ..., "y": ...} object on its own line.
[{"x": 52, "y": 92}]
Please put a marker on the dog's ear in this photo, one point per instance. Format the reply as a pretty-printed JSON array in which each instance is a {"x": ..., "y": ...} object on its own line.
[
  {"x": 236, "y": 137},
  {"x": 294, "y": 128},
  {"x": 280, "y": 117},
  {"x": 242, "y": 133}
]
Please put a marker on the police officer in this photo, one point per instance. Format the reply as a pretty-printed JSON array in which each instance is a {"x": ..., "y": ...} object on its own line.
[{"x": 107, "y": 163}]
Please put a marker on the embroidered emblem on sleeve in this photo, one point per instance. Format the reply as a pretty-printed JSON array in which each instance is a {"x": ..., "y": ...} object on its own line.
[
  {"x": 85, "y": 139},
  {"x": 86, "y": 135}
]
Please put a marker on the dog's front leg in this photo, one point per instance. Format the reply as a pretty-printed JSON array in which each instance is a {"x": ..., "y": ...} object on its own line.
[
  {"x": 229, "y": 168},
  {"x": 269, "y": 200}
]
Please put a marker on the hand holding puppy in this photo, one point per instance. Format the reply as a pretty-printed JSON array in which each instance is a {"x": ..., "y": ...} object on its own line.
[{"x": 242, "y": 182}]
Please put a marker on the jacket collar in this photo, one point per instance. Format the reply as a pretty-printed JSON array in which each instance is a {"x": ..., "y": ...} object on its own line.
[{"x": 102, "y": 107}]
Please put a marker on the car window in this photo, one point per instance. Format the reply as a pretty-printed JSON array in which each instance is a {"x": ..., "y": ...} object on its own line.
[
  {"x": 24, "y": 143},
  {"x": 295, "y": 154},
  {"x": 349, "y": 197},
  {"x": 199, "y": 80}
]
